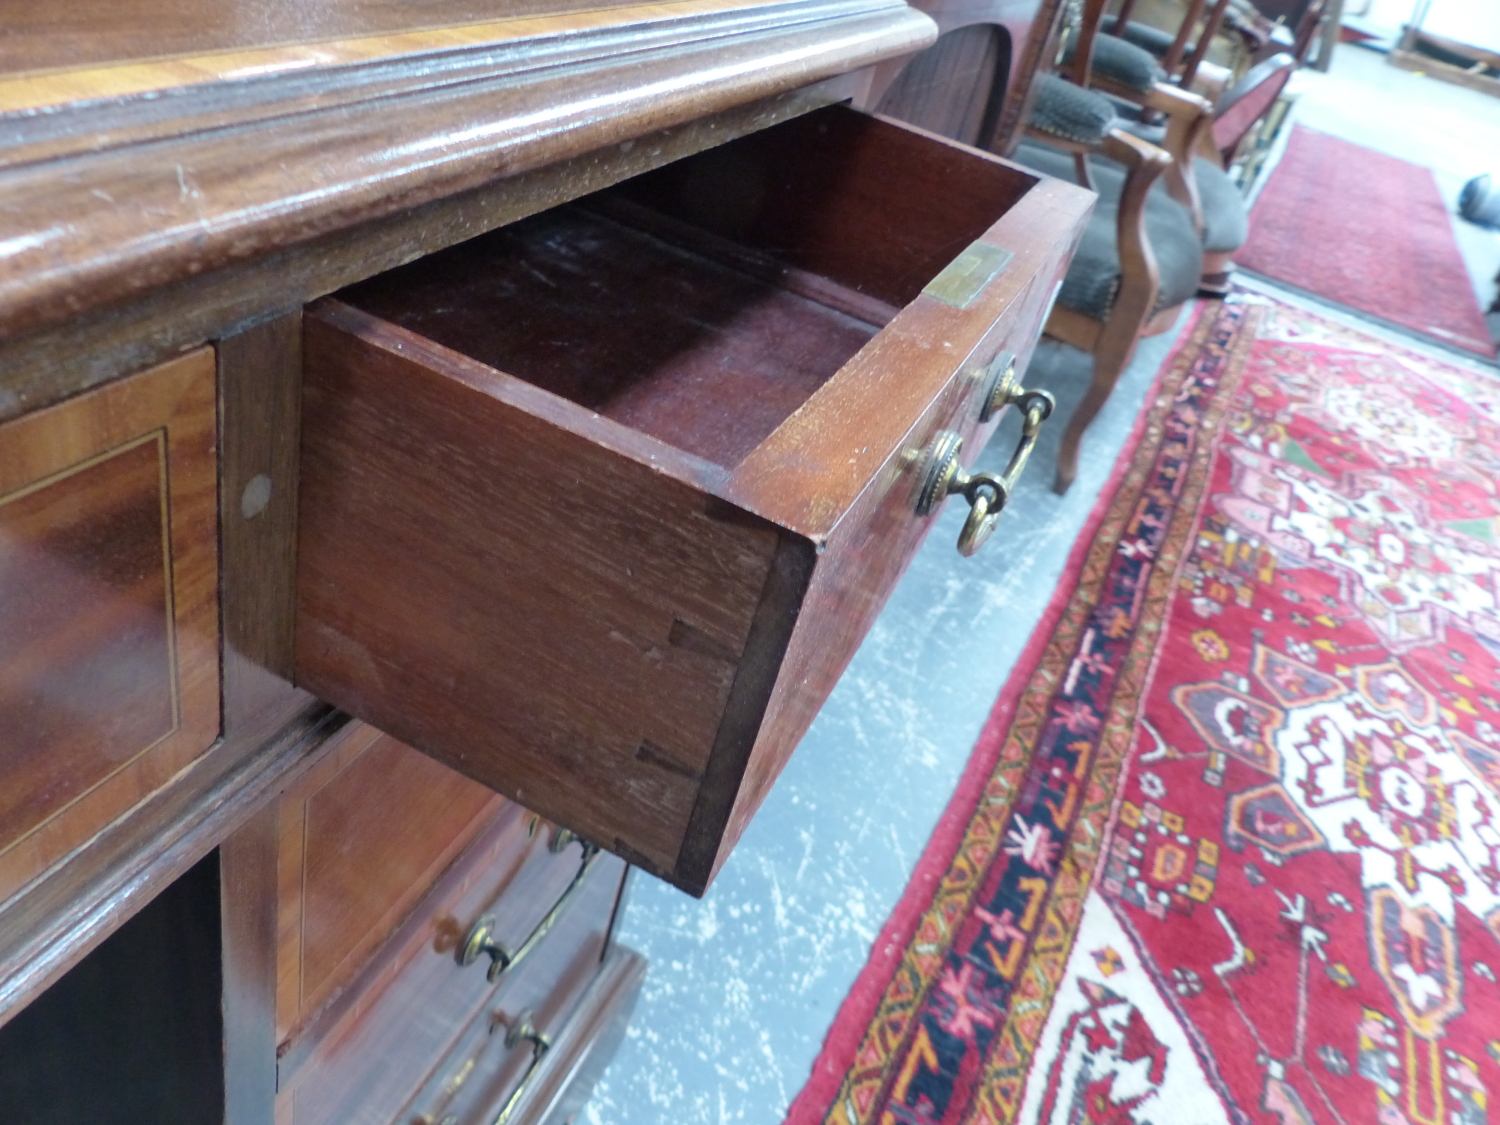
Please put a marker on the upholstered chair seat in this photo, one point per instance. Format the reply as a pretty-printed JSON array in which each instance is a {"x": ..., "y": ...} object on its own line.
[
  {"x": 1093, "y": 279},
  {"x": 1222, "y": 212},
  {"x": 1124, "y": 64},
  {"x": 1152, "y": 39},
  {"x": 1070, "y": 112}
]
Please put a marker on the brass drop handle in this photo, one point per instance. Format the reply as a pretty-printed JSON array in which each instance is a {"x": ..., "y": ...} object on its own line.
[
  {"x": 481, "y": 938},
  {"x": 523, "y": 1031},
  {"x": 986, "y": 493}
]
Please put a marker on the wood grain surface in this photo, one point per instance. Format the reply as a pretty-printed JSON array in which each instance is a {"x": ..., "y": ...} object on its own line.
[
  {"x": 228, "y": 38},
  {"x": 954, "y": 88},
  {"x": 109, "y": 632},
  {"x": 523, "y": 565},
  {"x": 92, "y": 347},
  {"x": 473, "y": 550},
  {"x": 361, "y": 837},
  {"x": 692, "y": 352},
  {"x": 260, "y": 409},
  {"x": 243, "y": 184},
  {"x": 402, "y": 1018},
  {"x": 59, "y": 920}
]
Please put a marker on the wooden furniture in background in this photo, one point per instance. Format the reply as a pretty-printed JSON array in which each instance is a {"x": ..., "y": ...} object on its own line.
[
  {"x": 384, "y": 862},
  {"x": 1107, "y": 328},
  {"x": 1448, "y": 60}
]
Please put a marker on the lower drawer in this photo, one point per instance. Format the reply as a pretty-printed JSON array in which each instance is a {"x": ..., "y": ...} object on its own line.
[
  {"x": 530, "y": 1058},
  {"x": 384, "y": 1014}
]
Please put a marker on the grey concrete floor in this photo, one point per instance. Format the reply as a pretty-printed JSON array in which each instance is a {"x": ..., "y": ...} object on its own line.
[{"x": 744, "y": 983}]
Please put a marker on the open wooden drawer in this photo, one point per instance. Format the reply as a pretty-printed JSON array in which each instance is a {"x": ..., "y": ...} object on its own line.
[{"x": 597, "y": 507}]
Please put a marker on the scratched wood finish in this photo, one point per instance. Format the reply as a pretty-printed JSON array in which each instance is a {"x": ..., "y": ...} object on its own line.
[
  {"x": 92, "y": 32},
  {"x": 629, "y": 674},
  {"x": 368, "y": 1051},
  {"x": 361, "y": 836},
  {"x": 108, "y": 607},
  {"x": 119, "y": 77},
  {"x": 213, "y": 191},
  {"x": 956, "y": 87},
  {"x": 92, "y": 347}
]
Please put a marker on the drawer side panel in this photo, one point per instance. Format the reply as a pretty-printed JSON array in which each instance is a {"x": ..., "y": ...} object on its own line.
[{"x": 554, "y": 619}]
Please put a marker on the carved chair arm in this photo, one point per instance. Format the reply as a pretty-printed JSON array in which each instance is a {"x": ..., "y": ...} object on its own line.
[{"x": 1140, "y": 279}]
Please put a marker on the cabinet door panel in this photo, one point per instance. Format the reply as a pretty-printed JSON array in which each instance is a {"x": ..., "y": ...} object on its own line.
[{"x": 109, "y": 640}]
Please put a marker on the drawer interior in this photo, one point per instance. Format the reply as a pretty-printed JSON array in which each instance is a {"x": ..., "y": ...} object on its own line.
[
  {"x": 596, "y": 507},
  {"x": 704, "y": 303}
]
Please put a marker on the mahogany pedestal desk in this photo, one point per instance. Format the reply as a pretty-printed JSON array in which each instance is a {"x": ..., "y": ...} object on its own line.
[{"x": 448, "y": 453}]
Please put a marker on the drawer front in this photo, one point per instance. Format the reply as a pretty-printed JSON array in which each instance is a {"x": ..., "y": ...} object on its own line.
[
  {"x": 535, "y": 1058},
  {"x": 869, "y": 549},
  {"x": 369, "y": 1048},
  {"x": 588, "y": 574},
  {"x": 109, "y": 666},
  {"x": 361, "y": 838}
]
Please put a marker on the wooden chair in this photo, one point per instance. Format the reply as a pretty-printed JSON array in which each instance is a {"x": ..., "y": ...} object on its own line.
[
  {"x": 1139, "y": 259},
  {"x": 1114, "y": 293},
  {"x": 1183, "y": 50},
  {"x": 1197, "y": 181},
  {"x": 1181, "y": 54}
]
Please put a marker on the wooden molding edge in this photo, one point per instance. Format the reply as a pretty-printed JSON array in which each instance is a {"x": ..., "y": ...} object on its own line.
[
  {"x": 69, "y": 356},
  {"x": 60, "y": 918},
  {"x": 99, "y": 227}
]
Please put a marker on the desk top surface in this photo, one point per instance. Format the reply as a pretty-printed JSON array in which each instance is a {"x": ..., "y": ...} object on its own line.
[
  {"x": 51, "y": 55},
  {"x": 87, "y": 33}
]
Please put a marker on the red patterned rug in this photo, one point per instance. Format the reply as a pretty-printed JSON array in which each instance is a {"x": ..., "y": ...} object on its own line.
[
  {"x": 1368, "y": 231},
  {"x": 1229, "y": 847}
]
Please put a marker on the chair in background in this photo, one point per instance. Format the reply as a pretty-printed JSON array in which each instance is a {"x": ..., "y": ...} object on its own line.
[
  {"x": 1183, "y": 49},
  {"x": 1130, "y": 75},
  {"x": 1139, "y": 257},
  {"x": 1181, "y": 55},
  {"x": 1139, "y": 260}
]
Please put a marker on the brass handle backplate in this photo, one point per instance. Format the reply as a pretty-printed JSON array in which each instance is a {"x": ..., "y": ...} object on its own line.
[
  {"x": 523, "y": 1031},
  {"x": 986, "y": 493},
  {"x": 999, "y": 386},
  {"x": 481, "y": 941}
]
